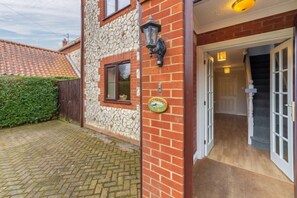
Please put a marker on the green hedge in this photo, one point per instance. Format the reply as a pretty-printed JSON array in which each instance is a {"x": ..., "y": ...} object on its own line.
[{"x": 25, "y": 100}]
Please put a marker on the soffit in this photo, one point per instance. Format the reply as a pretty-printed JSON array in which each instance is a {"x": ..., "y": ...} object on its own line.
[{"x": 215, "y": 14}]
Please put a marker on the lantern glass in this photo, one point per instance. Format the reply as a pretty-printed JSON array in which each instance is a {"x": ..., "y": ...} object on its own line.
[{"x": 151, "y": 36}]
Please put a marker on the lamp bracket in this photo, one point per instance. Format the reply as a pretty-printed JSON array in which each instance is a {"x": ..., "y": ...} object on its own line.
[{"x": 160, "y": 51}]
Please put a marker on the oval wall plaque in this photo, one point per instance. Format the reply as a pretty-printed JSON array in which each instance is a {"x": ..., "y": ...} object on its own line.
[{"x": 157, "y": 105}]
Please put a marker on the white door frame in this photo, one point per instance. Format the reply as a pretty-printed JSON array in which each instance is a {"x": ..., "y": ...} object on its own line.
[
  {"x": 209, "y": 105},
  {"x": 244, "y": 42}
]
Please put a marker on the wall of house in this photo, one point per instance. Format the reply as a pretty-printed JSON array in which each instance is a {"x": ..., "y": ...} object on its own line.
[
  {"x": 75, "y": 58},
  {"x": 74, "y": 54},
  {"x": 233, "y": 101},
  {"x": 163, "y": 171},
  {"x": 108, "y": 41}
]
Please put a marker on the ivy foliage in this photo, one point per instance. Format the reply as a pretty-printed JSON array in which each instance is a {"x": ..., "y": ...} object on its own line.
[{"x": 25, "y": 100}]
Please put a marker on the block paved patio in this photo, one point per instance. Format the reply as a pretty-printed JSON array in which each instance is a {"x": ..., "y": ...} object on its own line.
[{"x": 58, "y": 159}]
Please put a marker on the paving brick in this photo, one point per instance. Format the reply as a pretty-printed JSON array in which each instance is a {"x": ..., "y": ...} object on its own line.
[{"x": 58, "y": 159}]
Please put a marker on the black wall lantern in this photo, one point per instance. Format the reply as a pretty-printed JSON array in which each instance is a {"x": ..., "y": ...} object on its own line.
[{"x": 155, "y": 45}]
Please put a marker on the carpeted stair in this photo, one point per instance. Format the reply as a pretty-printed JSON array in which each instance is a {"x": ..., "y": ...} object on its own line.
[{"x": 260, "y": 66}]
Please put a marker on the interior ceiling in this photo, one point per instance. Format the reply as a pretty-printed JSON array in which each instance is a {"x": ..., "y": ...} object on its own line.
[
  {"x": 214, "y": 14},
  {"x": 234, "y": 58}
]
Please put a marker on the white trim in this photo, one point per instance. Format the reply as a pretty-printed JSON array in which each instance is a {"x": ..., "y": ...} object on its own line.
[
  {"x": 244, "y": 42},
  {"x": 200, "y": 105},
  {"x": 251, "y": 41},
  {"x": 286, "y": 167},
  {"x": 209, "y": 104},
  {"x": 73, "y": 65},
  {"x": 245, "y": 17}
]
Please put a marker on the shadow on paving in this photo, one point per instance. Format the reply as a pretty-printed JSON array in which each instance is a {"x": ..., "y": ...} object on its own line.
[
  {"x": 58, "y": 159},
  {"x": 217, "y": 180}
]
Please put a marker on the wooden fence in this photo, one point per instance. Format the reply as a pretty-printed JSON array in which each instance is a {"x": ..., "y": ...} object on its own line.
[{"x": 69, "y": 100}]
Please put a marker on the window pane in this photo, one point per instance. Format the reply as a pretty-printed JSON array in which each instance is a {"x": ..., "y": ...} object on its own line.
[
  {"x": 285, "y": 128},
  {"x": 285, "y": 102},
  {"x": 277, "y": 102},
  {"x": 276, "y": 127},
  {"x": 110, "y": 7},
  {"x": 123, "y": 3},
  {"x": 277, "y": 82},
  {"x": 285, "y": 150},
  {"x": 285, "y": 58},
  {"x": 111, "y": 83},
  {"x": 285, "y": 81},
  {"x": 277, "y": 61},
  {"x": 276, "y": 145},
  {"x": 124, "y": 81}
]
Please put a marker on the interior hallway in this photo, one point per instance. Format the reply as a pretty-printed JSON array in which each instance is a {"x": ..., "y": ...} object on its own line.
[
  {"x": 235, "y": 169},
  {"x": 231, "y": 148}
]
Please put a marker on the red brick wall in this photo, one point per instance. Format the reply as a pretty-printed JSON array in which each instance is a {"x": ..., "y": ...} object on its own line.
[
  {"x": 134, "y": 82},
  {"x": 267, "y": 24},
  {"x": 163, "y": 134},
  {"x": 104, "y": 20}
]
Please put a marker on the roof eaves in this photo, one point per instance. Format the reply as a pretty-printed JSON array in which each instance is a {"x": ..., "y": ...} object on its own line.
[{"x": 76, "y": 41}]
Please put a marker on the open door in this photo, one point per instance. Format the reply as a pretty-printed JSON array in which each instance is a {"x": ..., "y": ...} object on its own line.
[
  {"x": 209, "y": 107},
  {"x": 282, "y": 107}
]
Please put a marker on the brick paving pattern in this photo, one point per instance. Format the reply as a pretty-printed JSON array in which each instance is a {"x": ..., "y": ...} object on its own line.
[{"x": 57, "y": 159}]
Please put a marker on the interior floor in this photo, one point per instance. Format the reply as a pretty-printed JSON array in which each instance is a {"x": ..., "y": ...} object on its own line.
[
  {"x": 214, "y": 179},
  {"x": 231, "y": 148}
]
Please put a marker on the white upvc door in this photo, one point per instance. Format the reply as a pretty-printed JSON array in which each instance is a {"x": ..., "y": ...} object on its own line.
[
  {"x": 282, "y": 107},
  {"x": 209, "y": 105}
]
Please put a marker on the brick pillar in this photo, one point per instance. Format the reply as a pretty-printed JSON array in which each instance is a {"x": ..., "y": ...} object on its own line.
[{"x": 163, "y": 134}]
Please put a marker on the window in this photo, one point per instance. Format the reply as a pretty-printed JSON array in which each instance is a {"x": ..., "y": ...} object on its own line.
[
  {"x": 113, "y": 6},
  {"x": 117, "y": 82}
]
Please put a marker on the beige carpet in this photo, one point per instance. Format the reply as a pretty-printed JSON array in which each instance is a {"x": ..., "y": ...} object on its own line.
[{"x": 213, "y": 179}]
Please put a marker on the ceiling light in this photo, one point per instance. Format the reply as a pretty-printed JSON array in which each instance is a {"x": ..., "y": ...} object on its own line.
[
  {"x": 227, "y": 70},
  {"x": 243, "y": 5},
  {"x": 222, "y": 56}
]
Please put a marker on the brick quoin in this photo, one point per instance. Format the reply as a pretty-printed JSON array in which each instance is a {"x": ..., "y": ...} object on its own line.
[
  {"x": 267, "y": 24},
  {"x": 163, "y": 134}
]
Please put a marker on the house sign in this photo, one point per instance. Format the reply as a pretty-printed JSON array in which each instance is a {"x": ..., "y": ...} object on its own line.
[{"x": 157, "y": 105}]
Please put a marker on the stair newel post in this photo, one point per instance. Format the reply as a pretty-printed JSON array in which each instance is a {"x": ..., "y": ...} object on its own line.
[{"x": 250, "y": 111}]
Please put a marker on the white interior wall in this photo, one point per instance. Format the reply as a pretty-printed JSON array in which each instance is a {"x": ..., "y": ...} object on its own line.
[
  {"x": 231, "y": 99},
  {"x": 255, "y": 51}
]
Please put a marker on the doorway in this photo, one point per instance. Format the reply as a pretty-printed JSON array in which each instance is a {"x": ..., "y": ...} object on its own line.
[{"x": 281, "y": 98}]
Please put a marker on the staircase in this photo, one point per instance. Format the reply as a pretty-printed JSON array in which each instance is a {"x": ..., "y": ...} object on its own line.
[{"x": 260, "y": 66}]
